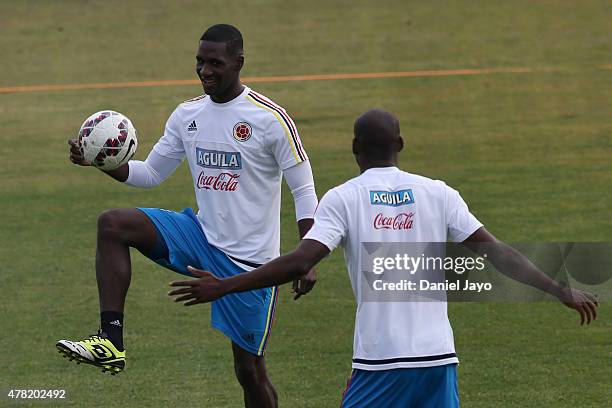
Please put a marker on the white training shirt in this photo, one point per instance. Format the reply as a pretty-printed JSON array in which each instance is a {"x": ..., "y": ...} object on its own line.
[
  {"x": 394, "y": 334},
  {"x": 236, "y": 153}
]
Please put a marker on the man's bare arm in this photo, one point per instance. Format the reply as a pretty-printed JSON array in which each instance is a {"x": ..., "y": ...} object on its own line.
[
  {"x": 515, "y": 265},
  {"x": 276, "y": 272}
]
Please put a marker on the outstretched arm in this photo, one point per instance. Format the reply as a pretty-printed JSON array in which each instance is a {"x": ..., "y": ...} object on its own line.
[
  {"x": 281, "y": 270},
  {"x": 515, "y": 265}
]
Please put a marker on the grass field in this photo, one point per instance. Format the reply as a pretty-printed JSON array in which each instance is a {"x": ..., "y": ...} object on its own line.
[{"x": 530, "y": 153}]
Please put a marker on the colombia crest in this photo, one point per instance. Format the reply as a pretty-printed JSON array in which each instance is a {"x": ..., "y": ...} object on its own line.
[{"x": 242, "y": 131}]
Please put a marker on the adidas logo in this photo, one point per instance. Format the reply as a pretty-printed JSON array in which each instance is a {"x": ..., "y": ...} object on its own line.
[
  {"x": 192, "y": 127},
  {"x": 249, "y": 338},
  {"x": 116, "y": 323}
]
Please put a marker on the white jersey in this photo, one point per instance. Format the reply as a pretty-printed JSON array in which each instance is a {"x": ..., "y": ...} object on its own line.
[
  {"x": 390, "y": 205},
  {"x": 236, "y": 153}
]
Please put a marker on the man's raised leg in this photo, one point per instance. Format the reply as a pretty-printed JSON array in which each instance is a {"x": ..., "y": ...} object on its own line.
[{"x": 118, "y": 230}]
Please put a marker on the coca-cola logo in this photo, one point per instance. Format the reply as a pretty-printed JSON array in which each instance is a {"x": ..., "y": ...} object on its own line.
[
  {"x": 401, "y": 221},
  {"x": 220, "y": 182}
]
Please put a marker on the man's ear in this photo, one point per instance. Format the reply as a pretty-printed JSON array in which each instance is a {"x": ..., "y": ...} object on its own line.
[
  {"x": 355, "y": 147},
  {"x": 239, "y": 61},
  {"x": 401, "y": 144}
]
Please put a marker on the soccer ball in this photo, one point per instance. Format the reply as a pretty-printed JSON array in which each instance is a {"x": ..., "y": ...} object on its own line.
[{"x": 107, "y": 139}]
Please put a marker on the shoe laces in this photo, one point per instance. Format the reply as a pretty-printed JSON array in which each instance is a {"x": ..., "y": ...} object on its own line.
[{"x": 100, "y": 335}]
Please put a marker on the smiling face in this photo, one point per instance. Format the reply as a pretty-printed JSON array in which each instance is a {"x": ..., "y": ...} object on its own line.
[{"x": 219, "y": 70}]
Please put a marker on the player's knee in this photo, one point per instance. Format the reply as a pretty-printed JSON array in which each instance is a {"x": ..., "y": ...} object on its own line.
[
  {"x": 248, "y": 374},
  {"x": 110, "y": 224}
]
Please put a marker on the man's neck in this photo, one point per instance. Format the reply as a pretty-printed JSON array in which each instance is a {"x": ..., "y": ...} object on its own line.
[
  {"x": 231, "y": 94},
  {"x": 373, "y": 165}
]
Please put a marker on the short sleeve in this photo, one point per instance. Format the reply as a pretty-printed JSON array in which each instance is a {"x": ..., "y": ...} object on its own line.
[
  {"x": 170, "y": 144},
  {"x": 460, "y": 221},
  {"x": 330, "y": 221},
  {"x": 283, "y": 140}
]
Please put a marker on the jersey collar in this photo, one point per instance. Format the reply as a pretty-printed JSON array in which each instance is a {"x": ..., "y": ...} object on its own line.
[{"x": 377, "y": 170}]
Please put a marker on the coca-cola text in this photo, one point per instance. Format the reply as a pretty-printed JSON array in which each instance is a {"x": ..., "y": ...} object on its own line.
[
  {"x": 221, "y": 182},
  {"x": 402, "y": 221}
]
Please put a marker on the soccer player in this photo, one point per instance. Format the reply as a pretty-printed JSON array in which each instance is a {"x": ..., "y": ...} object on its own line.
[
  {"x": 238, "y": 144},
  {"x": 404, "y": 353}
]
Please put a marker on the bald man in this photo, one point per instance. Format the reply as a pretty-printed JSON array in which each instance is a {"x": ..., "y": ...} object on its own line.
[{"x": 404, "y": 353}]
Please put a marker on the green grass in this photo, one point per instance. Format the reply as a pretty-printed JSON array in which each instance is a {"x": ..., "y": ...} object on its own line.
[{"x": 530, "y": 153}]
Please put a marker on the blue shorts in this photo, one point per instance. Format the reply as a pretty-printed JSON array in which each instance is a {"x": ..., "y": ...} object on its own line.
[
  {"x": 246, "y": 317},
  {"x": 426, "y": 387}
]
